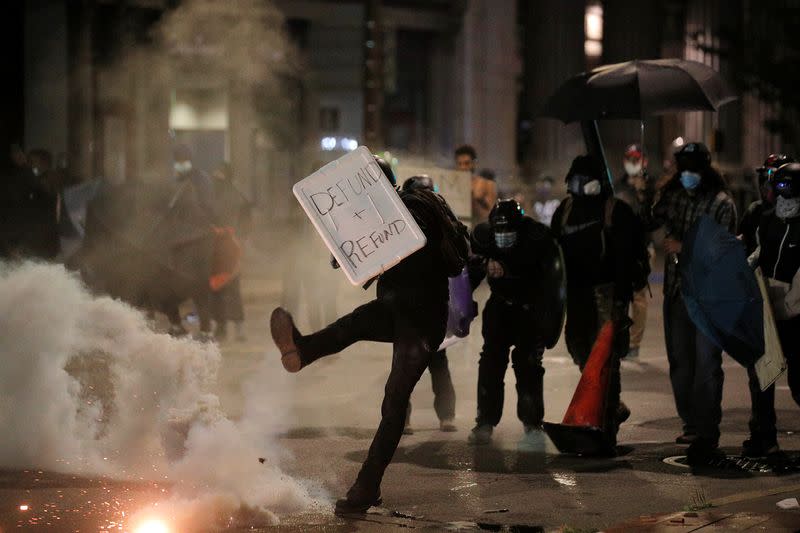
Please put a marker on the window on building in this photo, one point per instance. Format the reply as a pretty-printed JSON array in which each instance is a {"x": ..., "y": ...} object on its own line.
[{"x": 593, "y": 32}]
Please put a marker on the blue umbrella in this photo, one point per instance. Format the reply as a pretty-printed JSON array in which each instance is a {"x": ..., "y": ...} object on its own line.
[{"x": 721, "y": 291}]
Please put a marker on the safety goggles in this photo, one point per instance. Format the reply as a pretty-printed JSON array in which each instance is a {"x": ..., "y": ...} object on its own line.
[{"x": 785, "y": 188}]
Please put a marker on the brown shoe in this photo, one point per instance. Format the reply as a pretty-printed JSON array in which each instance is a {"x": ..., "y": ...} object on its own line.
[{"x": 283, "y": 330}]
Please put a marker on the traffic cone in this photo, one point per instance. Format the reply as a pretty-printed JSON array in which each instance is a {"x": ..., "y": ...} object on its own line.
[{"x": 583, "y": 430}]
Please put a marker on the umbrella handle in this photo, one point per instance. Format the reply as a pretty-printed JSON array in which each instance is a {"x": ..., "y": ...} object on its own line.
[{"x": 594, "y": 146}]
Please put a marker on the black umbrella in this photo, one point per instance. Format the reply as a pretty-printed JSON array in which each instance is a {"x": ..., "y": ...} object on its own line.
[{"x": 635, "y": 89}]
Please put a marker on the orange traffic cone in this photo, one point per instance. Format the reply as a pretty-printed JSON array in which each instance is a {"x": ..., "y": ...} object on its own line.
[{"x": 583, "y": 430}]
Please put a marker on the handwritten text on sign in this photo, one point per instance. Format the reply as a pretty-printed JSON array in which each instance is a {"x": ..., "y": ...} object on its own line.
[{"x": 359, "y": 215}]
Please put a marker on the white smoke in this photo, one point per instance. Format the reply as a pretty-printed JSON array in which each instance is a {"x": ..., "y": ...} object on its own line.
[{"x": 88, "y": 387}]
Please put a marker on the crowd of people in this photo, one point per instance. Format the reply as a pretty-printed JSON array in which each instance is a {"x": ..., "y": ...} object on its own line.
[
  {"x": 604, "y": 232},
  {"x": 154, "y": 245}
]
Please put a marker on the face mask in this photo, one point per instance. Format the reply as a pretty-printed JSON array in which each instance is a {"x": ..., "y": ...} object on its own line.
[
  {"x": 505, "y": 239},
  {"x": 787, "y": 207},
  {"x": 182, "y": 167},
  {"x": 633, "y": 169},
  {"x": 36, "y": 171},
  {"x": 592, "y": 188},
  {"x": 690, "y": 180}
]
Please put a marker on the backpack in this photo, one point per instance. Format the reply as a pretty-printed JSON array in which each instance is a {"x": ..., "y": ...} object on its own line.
[
  {"x": 454, "y": 242},
  {"x": 641, "y": 269}
]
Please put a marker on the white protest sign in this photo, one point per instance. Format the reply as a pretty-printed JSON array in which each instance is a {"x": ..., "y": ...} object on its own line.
[
  {"x": 359, "y": 215},
  {"x": 454, "y": 185},
  {"x": 772, "y": 364}
]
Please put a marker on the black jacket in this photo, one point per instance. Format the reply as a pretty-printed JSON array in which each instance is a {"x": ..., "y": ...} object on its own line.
[
  {"x": 523, "y": 264},
  {"x": 780, "y": 247},
  {"x": 419, "y": 278},
  {"x": 595, "y": 252}
]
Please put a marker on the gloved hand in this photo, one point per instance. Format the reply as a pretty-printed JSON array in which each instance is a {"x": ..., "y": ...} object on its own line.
[{"x": 495, "y": 269}]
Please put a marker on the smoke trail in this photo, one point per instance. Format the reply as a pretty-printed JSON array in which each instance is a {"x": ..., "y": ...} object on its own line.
[{"x": 87, "y": 387}]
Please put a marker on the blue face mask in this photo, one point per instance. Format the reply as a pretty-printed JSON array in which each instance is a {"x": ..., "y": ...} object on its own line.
[
  {"x": 505, "y": 239},
  {"x": 690, "y": 180}
]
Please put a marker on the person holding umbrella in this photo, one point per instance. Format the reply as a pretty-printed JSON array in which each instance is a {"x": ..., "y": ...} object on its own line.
[{"x": 696, "y": 189}]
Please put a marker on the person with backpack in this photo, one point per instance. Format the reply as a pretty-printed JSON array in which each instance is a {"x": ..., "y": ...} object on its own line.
[
  {"x": 695, "y": 362},
  {"x": 597, "y": 234},
  {"x": 410, "y": 311},
  {"x": 516, "y": 252},
  {"x": 444, "y": 394}
]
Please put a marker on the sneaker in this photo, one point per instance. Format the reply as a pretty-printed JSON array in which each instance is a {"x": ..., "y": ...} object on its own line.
[
  {"x": 530, "y": 428},
  {"x": 284, "y": 334},
  {"x": 481, "y": 434},
  {"x": 703, "y": 453},
  {"x": 760, "y": 447},
  {"x": 357, "y": 500},
  {"x": 633, "y": 353},
  {"x": 685, "y": 438},
  {"x": 447, "y": 426}
]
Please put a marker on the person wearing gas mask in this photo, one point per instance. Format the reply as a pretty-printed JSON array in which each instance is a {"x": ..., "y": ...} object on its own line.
[
  {"x": 695, "y": 362},
  {"x": 748, "y": 227},
  {"x": 516, "y": 250},
  {"x": 778, "y": 255},
  {"x": 410, "y": 311},
  {"x": 597, "y": 235},
  {"x": 444, "y": 394}
]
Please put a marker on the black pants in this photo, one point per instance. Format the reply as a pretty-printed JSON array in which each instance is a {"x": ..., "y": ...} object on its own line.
[
  {"x": 226, "y": 303},
  {"x": 415, "y": 331},
  {"x": 584, "y": 320},
  {"x": 762, "y": 417},
  {"x": 444, "y": 395},
  {"x": 695, "y": 370},
  {"x": 506, "y": 325}
]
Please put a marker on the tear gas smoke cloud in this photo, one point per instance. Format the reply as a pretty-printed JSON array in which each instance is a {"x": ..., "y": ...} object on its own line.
[{"x": 88, "y": 388}]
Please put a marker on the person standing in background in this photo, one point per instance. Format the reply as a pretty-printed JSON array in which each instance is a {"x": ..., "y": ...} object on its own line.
[
  {"x": 634, "y": 188},
  {"x": 545, "y": 205},
  {"x": 484, "y": 191},
  {"x": 233, "y": 211}
]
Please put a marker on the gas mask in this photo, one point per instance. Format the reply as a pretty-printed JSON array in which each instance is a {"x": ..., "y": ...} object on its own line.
[
  {"x": 787, "y": 207},
  {"x": 633, "y": 168},
  {"x": 505, "y": 239},
  {"x": 690, "y": 180},
  {"x": 580, "y": 185},
  {"x": 182, "y": 167}
]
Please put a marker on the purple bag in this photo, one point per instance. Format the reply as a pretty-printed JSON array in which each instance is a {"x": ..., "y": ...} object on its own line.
[{"x": 462, "y": 308}]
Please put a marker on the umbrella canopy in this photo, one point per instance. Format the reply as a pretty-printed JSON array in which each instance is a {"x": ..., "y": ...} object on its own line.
[
  {"x": 721, "y": 292},
  {"x": 635, "y": 89}
]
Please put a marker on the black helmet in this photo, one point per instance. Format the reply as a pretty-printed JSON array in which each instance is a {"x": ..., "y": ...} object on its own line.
[
  {"x": 415, "y": 183},
  {"x": 772, "y": 163},
  {"x": 506, "y": 215},
  {"x": 693, "y": 156},
  {"x": 584, "y": 169},
  {"x": 786, "y": 181},
  {"x": 387, "y": 170}
]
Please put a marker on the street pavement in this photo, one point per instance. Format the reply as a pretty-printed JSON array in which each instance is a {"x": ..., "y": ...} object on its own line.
[{"x": 437, "y": 481}]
